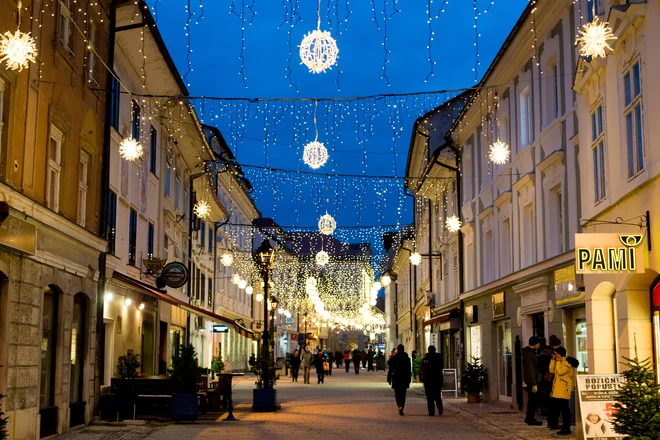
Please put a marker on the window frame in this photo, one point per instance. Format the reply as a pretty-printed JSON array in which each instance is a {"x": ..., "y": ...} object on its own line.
[
  {"x": 115, "y": 102},
  {"x": 633, "y": 109},
  {"x": 598, "y": 153},
  {"x": 526, "y": 137},
  {"x": 83, "y": 186},
  {"x": 153, "y": 151},
  {"x": 151, "y": 230},
  {"x": 135, "y": 120},
  {"x": 69, "y": 16},
  {"x": 132, "y": 237},
  {"x": 93, "y": 69},
  {"x": 54, "y": 167}
]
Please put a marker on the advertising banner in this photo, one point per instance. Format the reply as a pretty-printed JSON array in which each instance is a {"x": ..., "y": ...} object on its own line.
[{"x": 597, "y": 395}]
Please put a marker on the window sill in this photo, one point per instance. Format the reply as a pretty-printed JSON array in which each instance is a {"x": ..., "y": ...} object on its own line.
[{"x": 639, "y": 173}]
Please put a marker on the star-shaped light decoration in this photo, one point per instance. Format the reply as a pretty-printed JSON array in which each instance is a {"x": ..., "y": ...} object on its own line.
[
  {"x": 499, "y": 152},
  {"x": 18, "y": 50},
  {"x": 318, "y": 51},
  {"x": 453, "y": 223},
  {"x": 227, "y": 259},
  {"x": 415, "y": 259},
  {"x": 130, "y": 149},
  {"x": 594, "y": 38},
  {"x": 327, "y": 224},
  {"x": 315, "y": 155},
  {"x": 322, "y": 258},
  {"x": 202, "y": 209},
  {"x": 236, "y": 278}
]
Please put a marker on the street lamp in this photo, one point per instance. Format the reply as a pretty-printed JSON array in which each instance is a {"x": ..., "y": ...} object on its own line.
[{"x": 265, "y": 258}]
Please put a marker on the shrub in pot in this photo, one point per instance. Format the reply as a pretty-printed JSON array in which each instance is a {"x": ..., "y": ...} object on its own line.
[
  {"x": 127, "y": 370},
  {"x": 217, "y": 365},
  {"x": 474, "y": 380},
  {"x": 3, "y": 422},
  {"x": 185, "y": 372}
]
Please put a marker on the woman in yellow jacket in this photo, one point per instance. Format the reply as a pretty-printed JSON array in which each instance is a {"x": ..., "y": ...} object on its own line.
[{"x": 562, "y": 387}]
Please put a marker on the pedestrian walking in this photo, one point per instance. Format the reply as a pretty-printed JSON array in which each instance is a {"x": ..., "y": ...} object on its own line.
[
  {"x": 531, "y": 378},
  {"x": 363, "y": 358},
  {"x": 306, "y": 359},
  {"x": 357, "y": 357},
  {"x": 545, "y": 384},
  {"x": 338, "y": 358},
  {"x": 431, "y": 376},
  {"x": 331, "y": 360},
  {"x": 370, "y": 359},
  {"x": 295, "y": 365},
  {"x": 562, "y": 386},
  {"x": 347, "y": 359},
  {"x": 319, "y": 363},
  {"x": 399, "y": 376}
]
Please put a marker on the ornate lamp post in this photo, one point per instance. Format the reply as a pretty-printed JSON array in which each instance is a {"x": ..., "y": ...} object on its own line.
[{"x": 265, "y": 257}]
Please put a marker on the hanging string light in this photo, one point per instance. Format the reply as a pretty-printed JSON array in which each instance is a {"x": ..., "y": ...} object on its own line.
[
  {"x": 227, "y": 259},
  {"x": 594, "y": 38},
  {"x": 130, "y": 149},
  {"x": 322, "y": 258},
  {"x": 499, "y": 152},
  {"x": 315, "y": 154},
  {"x": 259, "y": 297},
  {"x": 236, "y": 278},
  {"x": 327, "y": 224},
  {"x": 318, "y": 50},
  {"x": 242, "y": 284},
  {"x": 202, "y": 209},
  {"x": 249, "y": 290},
  {"x": 453, "y": 223},
  {"x": 19, "y": 49}
]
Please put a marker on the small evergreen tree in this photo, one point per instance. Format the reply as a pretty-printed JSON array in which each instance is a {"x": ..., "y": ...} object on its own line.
[
  {"x": 127, "y": 365},
  {"x": 637, "y": 413},
  {"x": 217, "y": 364},
  {"x": 3, "y": 422},
  {"x": 475, "y": 377},
  {"x": 185, "y": 368}
]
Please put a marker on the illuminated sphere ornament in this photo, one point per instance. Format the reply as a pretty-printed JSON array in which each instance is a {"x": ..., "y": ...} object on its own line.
[
  {"x": 376, "y": 286},
  {"x": 236, "y": 278},
  {"x": 415, "y": 259},
  {"x": 17, "y": 50},
  {"x": 130, "y": 149},
  {"x": 322, "y": 258},
  {"x": 227, "y": 259},
  {"x": 453, "y": 223},
  {"x": 386, "y": 280},
  {"x": 498, "y": 153},
  {"x": 315, "y": 155},
  {"x": 202, "y": 209},
  {"x": 311, "y": 282},
  {"x": 242, "y": 284},
  {"x": 327, "y": 224},
  {"x": 318, "y": 51},
  {"x": 249, "y": 290},
  {"x": 594, "y": 38},
  {"x": 259, "y": 297}
]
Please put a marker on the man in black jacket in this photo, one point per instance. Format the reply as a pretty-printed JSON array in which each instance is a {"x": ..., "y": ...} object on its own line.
[
  {"x": 531, "y": 378},
  {"x": 399, "y": 376},
  {"x": 431, "y": 375}
]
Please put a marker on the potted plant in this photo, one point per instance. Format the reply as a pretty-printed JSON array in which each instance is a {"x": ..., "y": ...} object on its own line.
[
  {"x": 217, "y": 365},
  {"x": 185, "y": 372},
  {"x": 3, "y": 422},
  {"x": 474, "y": 380},
  {"x": 417, "y": 366},
  {"x": 127, "y": 370}
]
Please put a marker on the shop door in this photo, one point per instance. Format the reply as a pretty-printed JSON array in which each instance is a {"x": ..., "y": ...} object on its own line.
[
  {"x": 505, "y": 360},
  {"x": 148, "y": 346}
]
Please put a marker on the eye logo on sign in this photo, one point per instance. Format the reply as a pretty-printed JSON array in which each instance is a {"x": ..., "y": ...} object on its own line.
[{"x": 608, "y": 253}]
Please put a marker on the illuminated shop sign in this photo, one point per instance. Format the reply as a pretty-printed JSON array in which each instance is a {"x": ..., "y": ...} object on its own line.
[{"x": 608, "y": 253}]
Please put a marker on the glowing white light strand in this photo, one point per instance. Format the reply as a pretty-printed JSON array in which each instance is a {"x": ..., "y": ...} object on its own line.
[
  {"x": 594, "y": 38},
  {"x": 499, "y": 152},
  {"x": 315, "y": 154}
]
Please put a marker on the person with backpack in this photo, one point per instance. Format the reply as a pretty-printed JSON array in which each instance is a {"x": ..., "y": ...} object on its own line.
[
  {"x": 431, "y": 376},
  {"x": 562, "y": 386},
  {"x": 357, "y": 357},
  {"x": 399, "y": 376}
]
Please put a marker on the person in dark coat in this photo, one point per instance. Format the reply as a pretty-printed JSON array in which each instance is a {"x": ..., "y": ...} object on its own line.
[
  {"x": 546, "y": 354},
  {"x": 338, "y": 358},
  {"x": 295, "y": 366},
  {"x": 363, "y": 357},
  {"x": 531, "y": 378},
  {"x": 331, "y": 360},
  {"x": 357, "y": 357},
  {"x": 370, "y": 359},
  {"x": 318, "y": 363},
  {"x": 431, "y": 375},
  {"x": 399, "y": 376},
  {"x": 347, "y": 359}
]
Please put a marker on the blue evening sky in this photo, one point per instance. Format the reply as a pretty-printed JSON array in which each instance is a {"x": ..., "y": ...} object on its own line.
[{"x": 216, "y": 44}]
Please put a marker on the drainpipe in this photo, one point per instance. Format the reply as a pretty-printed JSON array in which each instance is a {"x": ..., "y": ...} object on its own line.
[
  {"x": 413, "y": 285},
  {"x": 103, "y": 225}
]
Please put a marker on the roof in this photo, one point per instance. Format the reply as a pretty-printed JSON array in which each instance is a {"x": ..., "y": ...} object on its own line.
[{"x": 307, "y": 244}]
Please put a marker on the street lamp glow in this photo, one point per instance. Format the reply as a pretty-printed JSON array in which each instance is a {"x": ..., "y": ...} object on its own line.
[{"x": 128, "y": 302}]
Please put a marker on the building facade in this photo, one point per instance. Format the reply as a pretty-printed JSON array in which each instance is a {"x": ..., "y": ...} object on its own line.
[{"x": 51, "y": 144}]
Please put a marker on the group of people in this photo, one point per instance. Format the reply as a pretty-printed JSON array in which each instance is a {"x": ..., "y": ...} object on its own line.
[
  {"x": 399, "y": 376},
  {"x": 549, "y": 375},
  {"x": 322, "y": 360},
  {"x": 364, "y": 357}
]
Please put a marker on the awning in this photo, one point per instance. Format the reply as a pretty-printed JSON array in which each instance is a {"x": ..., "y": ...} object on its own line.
[
  {"x": 443, "y": 317},
  {"x": 162, "y": 295}
]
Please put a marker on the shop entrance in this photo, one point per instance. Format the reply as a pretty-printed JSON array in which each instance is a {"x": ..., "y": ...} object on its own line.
[{"x": 505, "y": 360}]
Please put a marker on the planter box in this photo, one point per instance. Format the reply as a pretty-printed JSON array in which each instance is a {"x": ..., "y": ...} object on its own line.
[
  {"x": 264, "y": 400},
  {"x": 473, "y": 397},
  {"x": 184, "y": 407}
]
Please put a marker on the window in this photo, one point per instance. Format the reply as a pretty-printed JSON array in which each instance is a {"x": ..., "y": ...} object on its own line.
[
  {"x": 93, "y": 67},
  {"x": 177, "y": 190},
  {"x": 114, "y": 102},
  {"x": 186, "y": 197},
  {"x": 598, "y": 153},
  {"x": 77, "y": 348},
  {"x": 489, "y": 268},
  {"x": 555, "y": 91},
  {"x": 150, "y": 241},
  {"x": 202, "y": 238},
  {"x": 505, "y": 248},
  {"x": 48, "y": 348},
  {"x": 525, "y": 118},
  {"x": 202, "y": 288},
  {"x": 210, "y": 291},
  {"x": 67, "y": 29},
  {"x": 456, "y": 281},
  {"x": 135, "y": 122},
  {"x": 560, "y": 219},
  {"x": 82, "y": 187},
  {"x": 211, "y": 239},
  {"x": 3, "y": 94},
  {"x": 112, "y": 221},
  {"x": 593, "y": 8},
  {"x": 633, "y": 116},
  {"x": 54, "y": 168},
  {"x": 168, "y": 177},
  {"x": 445, "y": 272},
  {"x": 527, "y": 244},
  {"x": 166, "y": 245},
  {"x": 153, "y": 151},
  {"x": 197, "y": 283},
  {"x": 132, "y": 237}
]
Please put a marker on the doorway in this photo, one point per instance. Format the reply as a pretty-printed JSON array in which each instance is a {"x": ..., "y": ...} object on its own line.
[
  {"x": 148, "y": 345},
  {"x": 504, "y": 361},
  {"x": 109, "y": 351}
]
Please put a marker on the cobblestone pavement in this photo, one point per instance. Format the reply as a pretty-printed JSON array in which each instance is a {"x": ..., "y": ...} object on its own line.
[{"x": 111, "y": 432}]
